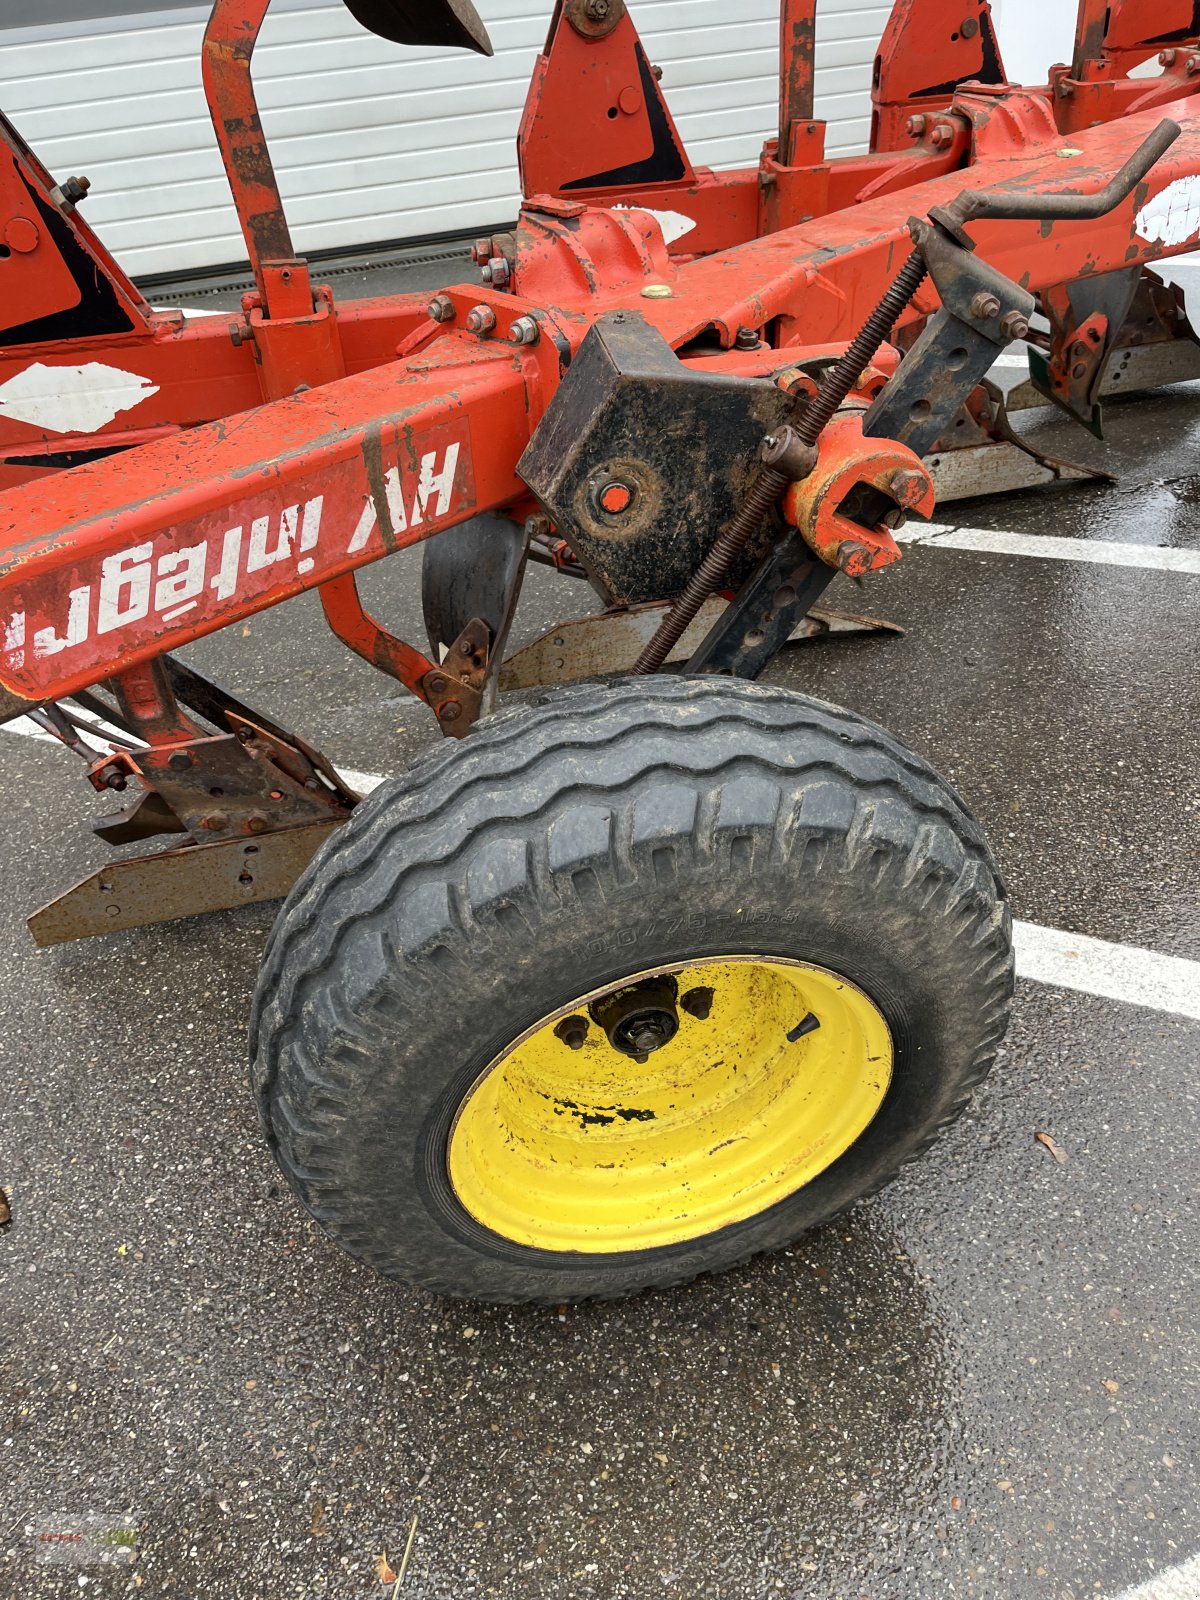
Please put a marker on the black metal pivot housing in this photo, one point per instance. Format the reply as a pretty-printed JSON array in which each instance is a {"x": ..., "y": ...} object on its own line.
[{"x": 639, "y": 459}]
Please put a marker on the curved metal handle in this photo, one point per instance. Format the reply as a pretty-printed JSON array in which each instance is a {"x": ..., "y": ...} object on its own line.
[{"x": 1000, "y": 205}]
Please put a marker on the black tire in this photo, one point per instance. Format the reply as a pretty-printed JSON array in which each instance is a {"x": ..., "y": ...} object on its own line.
[{"x": 556, "y": 850}]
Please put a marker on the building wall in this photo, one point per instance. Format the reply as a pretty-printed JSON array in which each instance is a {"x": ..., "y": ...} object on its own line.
[{"x": 371, "y": 141}]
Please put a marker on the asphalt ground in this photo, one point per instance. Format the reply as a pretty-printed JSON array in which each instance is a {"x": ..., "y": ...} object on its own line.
[{"x": 983, "y": 1382}]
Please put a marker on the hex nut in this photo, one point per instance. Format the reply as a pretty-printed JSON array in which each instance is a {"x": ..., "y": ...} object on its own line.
[
  {"x": 525, "y": 331},
  {"x": 984, "y": 305},
  {"x": 481, "y": 320},
  {"x": 1013, "y": 325},
  {"x": 441, "y": 308}
]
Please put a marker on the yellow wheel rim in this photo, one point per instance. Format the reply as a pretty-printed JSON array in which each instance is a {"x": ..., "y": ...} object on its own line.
[{"x": 588, "y": 1149}]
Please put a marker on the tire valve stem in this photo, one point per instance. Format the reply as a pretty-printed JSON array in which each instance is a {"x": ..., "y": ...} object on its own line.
[{"x": 807, "y": 1024}]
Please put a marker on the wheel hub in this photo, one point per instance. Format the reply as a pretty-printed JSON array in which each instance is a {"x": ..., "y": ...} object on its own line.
[
  {"x": 641, "y": 1018},
  {"x": 670, "y": 1105}
]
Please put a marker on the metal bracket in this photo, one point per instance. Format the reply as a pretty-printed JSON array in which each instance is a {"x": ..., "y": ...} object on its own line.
[
  {"x": 143, "y": 890},
  {"x": 763, "y": 614}
]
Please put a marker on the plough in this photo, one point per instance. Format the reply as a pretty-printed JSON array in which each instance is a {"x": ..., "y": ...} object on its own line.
[{"x": 650, "y": 973}]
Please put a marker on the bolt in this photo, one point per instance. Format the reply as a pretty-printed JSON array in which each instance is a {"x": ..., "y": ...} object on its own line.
[
  {"x": 451, "y": 711},
  {"x": 942, "y": 136},
  {"x": 1013, "y": 325},
  {"x": 646, "y": 1038},
  {"x": 437, "y": 684},
  {"x": 1166, "y": 58},
  {"x": 483, "y": 250},
  {"x": 525, "y": 331},
  {"x": 915, "y": 127},
  {"x": 258, "y": 821},
  {"x": 984, "y": 306},
  {"x": 538, "y": 525},
  {"x": 114, "y": 778},
  {"x": 481, "y": 320},
  {"x": 74, "y": 190},
  {"x": 441, "y": 308},
  {"x": 907, "y": 486},
  {"x": 466, "y": 648},
  {"x": 572, "y": 1031},
  {"x": 215, "y": 822},
  {"x": 697, "y": 1003},
  {"x": 658, "y": 72},
  {"x": 853, "y": 558},
  {"x": 180, "y": 760},
  {"x": 615, "y": 497},
  {"x": 246, "y": 735},
  {"x": 1192, "y": 65},
  {"x": 497, "y": 271},
  {"x": 596, "y": 10},
  {"x": 746, "y": 339}
]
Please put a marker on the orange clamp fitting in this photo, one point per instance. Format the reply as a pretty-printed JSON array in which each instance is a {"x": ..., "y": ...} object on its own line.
[{"x": 834, "y": 508}]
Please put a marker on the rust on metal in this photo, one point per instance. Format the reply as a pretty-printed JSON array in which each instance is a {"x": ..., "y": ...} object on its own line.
[
  {"x": 246, "y": 459},
  {"x": 140, "y": 891}
]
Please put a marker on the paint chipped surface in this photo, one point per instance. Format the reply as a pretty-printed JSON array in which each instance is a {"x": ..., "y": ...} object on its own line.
[
  {"x": 674, "y": 224},
  {"x": 73, "y": 398},
  {"x": 1173, "y": 215}
]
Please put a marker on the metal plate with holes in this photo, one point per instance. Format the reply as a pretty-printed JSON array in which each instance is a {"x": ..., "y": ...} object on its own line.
[
  {"x": 612, "y": 641},
  {"x": 142, "y": 890}
]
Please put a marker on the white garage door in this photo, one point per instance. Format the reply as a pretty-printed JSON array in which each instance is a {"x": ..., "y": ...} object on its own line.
[{"x": 373, "y": 142}]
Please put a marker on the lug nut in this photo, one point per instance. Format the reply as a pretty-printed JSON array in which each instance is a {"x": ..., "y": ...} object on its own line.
[
  {"x": 481, "y": 320},
  {"x": 525, "y": 331},
  {"x": 697, "y": 1003},
  {"x": 915, "y": 127},
  {"x": 441, "y": 308},
  {"x": 572, "y": 1031},
  {"x": 1013, "y": 325},
  {"x": 984, "y": 306}
]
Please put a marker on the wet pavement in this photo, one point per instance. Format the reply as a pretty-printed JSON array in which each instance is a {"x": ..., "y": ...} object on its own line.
[{"x": 984, "y": 1382}]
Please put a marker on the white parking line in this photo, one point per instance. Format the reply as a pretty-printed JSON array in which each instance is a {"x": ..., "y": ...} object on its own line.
[
  {"x": 1113, "y": 971},
  {"x": 1045, "y": 955},
  {"x": 1177, "y": 1583},
  {"x": 998, "y": 541}
]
